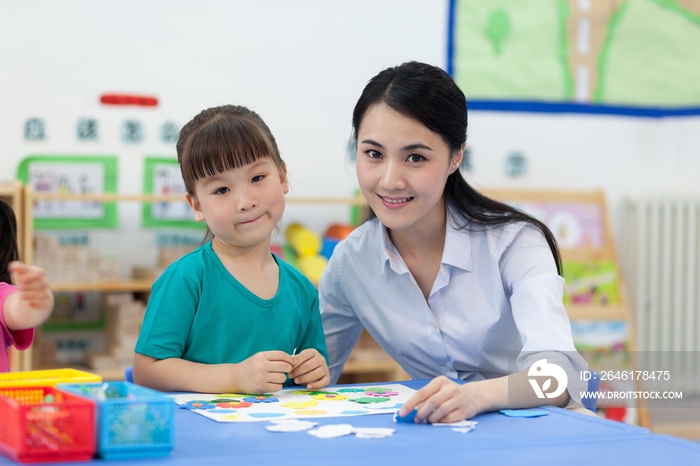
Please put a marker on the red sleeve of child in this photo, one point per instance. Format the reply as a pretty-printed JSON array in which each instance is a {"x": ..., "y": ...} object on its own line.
[{"x": 20, "y": 339}]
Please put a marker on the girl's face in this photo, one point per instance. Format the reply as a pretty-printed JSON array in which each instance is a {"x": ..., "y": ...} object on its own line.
[
  {"x": 402, "y": 168},
  {"x": 242, "y": 206}
]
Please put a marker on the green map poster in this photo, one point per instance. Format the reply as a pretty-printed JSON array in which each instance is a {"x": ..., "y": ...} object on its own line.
[{"x": 633, "y": 57}]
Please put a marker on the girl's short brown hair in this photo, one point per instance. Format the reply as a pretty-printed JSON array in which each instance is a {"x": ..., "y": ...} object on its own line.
[{"x": 223, "y": 138}]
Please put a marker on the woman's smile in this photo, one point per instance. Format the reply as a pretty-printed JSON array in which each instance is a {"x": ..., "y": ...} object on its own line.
[{"x": 395, "y": 202}]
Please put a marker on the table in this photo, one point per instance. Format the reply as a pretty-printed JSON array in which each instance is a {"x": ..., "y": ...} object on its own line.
[{"x": 561, "y": 437}]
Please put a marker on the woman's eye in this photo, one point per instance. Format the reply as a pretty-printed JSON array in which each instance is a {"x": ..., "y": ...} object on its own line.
[
  {"x": 258, "y": 178},
  {"x": 415, "y": 158},
  {"x": 373, "y": 154},
  {"x": 222, "y": 190}
]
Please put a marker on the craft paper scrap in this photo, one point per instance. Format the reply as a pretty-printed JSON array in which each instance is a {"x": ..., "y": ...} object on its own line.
[
  {"x": 373, "y": 432},
  {"x": 331, "y": 431},
  {"x": 463, "y": 423},
  {"x": 294, "y": 403},
  {"x": 341, "y": 430},
  {"x": 408, "y": 418},
  {"x": 524, "y": 412},
  {"x": 290, "y": 425},
  {"x": 463, "y": 430}
]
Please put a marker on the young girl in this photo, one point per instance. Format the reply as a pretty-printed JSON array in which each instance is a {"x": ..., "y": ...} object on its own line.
[
  {"x": 452, "y": 284},
  {"x": 230, "y": 316},
  {"x": 25, "y": 298}
]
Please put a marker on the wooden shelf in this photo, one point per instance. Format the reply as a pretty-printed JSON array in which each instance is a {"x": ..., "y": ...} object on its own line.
[
  {"x": 361, "y": 363},
  {"x": 367, "y": 358},
  {"x": 359, "y": 366},
  {"x": 105, "y": 287},
  {"x": 108, "y": 374}
]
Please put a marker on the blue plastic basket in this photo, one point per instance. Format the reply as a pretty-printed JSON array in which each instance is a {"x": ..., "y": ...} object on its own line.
[{"x": 132, "y": 421}]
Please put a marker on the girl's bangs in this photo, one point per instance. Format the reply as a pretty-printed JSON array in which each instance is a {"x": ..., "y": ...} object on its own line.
[{"x": 215, "y": 149}]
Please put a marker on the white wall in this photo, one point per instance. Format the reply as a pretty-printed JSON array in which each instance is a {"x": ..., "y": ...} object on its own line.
[{"x": 301, "y": 64}]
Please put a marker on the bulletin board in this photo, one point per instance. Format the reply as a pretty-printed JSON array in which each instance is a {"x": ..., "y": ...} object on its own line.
[
  {"x": 162, "y": 177},
  {"x": 88, "y": 174},
  {"x": 621, "y": 57}
]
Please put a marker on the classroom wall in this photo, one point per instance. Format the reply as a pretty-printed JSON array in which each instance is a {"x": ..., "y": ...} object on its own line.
[{"x": 301, "y": 64}]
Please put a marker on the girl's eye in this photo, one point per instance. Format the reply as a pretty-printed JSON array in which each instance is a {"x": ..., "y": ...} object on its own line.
[
  {"x": 373, "y": 154},
  {"x": 258, "y": 178},
  {"x": 415, "y": 158},
  {"x": 222, "y": 190}
]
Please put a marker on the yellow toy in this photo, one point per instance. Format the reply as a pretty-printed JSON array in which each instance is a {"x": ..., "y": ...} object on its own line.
[{"x": 307, "y": 246}]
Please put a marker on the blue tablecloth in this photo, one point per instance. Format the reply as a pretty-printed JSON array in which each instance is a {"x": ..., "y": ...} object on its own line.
[{"x": 561, "y": 437}]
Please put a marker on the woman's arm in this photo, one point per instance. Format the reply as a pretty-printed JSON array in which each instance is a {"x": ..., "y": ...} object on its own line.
[
  {"x": 32, "y": 303},
  {"x": 536, "y": 294}
]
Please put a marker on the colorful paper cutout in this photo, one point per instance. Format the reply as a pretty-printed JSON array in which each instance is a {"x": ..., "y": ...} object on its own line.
[
  {"x": 524, "y": 412},
  {"x": 370, "y": 399},
  {"x": 294, "y": 403},
  {"x": 310, "y": 412},
  {"x": 330, "y": 397},
  {"x": 300, "y": 404}
]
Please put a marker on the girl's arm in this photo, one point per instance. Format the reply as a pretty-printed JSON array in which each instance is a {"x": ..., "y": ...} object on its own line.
[
  {"x": 443, "y": 400},
  {"x": 263, "y": 372},
  {"x": 312, "y": 358},
  {"x": 33, "y": 302}
]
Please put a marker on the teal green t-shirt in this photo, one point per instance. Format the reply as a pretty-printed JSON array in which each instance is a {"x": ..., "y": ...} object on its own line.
[{"x": 199, "y": 312}]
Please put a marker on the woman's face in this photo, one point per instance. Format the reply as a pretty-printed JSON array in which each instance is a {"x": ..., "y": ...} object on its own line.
[{"x": 402, "y": 168}]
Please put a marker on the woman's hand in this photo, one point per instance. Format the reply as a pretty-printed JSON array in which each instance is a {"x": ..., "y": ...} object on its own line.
[
  {"x": 443, "y": 400},
  {"x": 311, "y": 369}
]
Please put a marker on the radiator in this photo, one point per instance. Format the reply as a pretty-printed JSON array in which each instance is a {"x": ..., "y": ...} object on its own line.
[{"x": 660, "y": 259}]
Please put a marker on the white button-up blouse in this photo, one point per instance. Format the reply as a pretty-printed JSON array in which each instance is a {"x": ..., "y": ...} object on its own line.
[{"x": 495, "y": 307}]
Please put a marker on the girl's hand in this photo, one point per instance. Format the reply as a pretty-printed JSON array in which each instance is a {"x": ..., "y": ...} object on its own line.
[
  {"x": 311, "y": 369},
  {"x": 32, "y": 285},
  {"x": 264, "y": 372},
  {"x": 442, "y": 400}
]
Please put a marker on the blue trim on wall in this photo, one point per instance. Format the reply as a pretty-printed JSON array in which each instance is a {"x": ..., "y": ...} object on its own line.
[
  {"x": 556, "y": 107},
  {"x": 450, "y": 37}
]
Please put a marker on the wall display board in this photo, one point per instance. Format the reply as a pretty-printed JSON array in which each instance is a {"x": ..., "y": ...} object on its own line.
[
  {"x": 71, "y": 175},
  {"x": 621, "y": 57},
  {"x": 162, "y": 177}
]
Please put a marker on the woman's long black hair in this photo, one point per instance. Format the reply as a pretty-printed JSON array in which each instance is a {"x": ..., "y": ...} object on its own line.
[
  {"x": 429, "y": 95},
  {"x": 9, "y": 250}
]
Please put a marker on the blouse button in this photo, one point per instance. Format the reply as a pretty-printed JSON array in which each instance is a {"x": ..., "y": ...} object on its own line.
[{"x": 434, "y": 326}]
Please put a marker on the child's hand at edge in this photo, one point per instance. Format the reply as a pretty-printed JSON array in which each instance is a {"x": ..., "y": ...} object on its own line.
[
  {"x": 264, "y": 372},
  {"x": 311, "y": 369},
  {"x": 32, "y": 284},
  {"x": 34, "y": 300}
]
